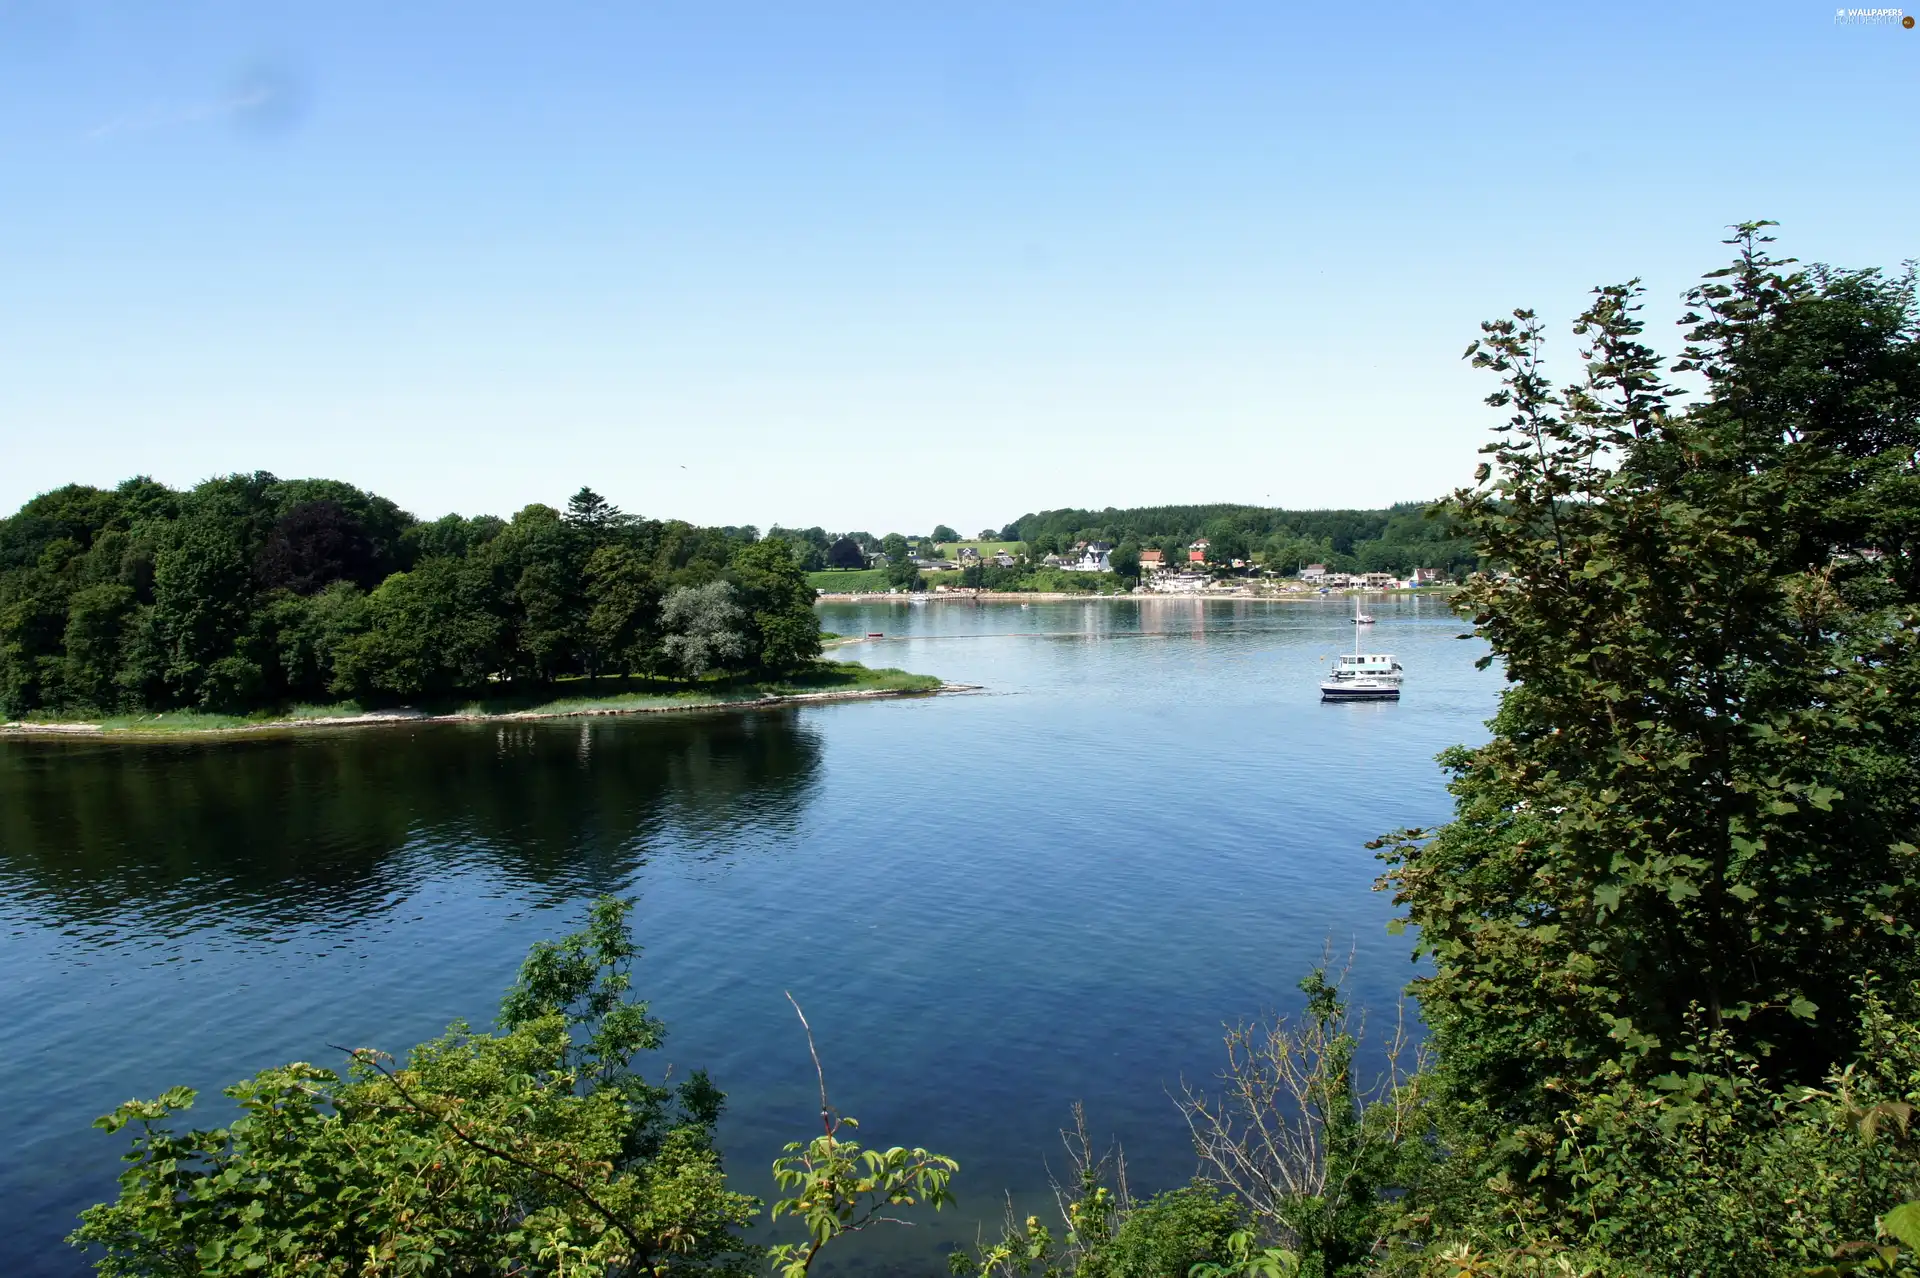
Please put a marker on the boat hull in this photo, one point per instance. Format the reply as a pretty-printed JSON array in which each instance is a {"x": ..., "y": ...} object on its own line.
[{"x": 1358, "y": 694}]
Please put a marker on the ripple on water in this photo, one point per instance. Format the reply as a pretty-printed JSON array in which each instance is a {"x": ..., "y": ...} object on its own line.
[{"x": 991, "y": 906}]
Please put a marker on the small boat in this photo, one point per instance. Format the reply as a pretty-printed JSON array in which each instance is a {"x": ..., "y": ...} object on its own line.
[
  {"x": 1362, "y": 676},
  {"x": 876, "y": 634},
  {"x": 1360, "y": 618}
]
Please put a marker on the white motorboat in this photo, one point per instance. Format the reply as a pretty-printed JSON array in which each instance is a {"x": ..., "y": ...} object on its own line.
[
  {"x": 1362, "y": 676},
  {"x": 1360, "y": 618}
]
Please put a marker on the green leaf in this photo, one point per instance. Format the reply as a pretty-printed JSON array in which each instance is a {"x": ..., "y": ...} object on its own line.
[{"x": 1903, "y": 1222}]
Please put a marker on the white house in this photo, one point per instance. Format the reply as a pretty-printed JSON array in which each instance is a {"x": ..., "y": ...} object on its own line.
[{"x": 1094, "y": 557}]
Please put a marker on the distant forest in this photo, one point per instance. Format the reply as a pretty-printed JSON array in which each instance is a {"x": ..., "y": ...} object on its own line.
[
  {"x": 1395, "y": 539},
  {"x": 250, "y": 591}
]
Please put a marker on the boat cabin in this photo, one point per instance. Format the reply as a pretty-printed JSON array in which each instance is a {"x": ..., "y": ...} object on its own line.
[{"x": 1355, "y": 663}]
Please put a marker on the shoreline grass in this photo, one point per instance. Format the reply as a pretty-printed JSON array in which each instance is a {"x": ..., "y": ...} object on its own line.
[{"x": 826, "y": 680}]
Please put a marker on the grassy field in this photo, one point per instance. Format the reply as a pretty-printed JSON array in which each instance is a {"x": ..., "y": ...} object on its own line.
[
  {"x": 842, "y": 581},
  {"x": 987, "y": 549},
  {"x": 566, "y": 697}
]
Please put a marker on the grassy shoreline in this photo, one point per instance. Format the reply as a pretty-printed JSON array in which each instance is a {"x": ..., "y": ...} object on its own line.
[{"x": 827, "y": 681}]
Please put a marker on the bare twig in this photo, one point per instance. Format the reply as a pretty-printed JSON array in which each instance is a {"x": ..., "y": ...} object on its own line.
[
  {"x": 1264, "y": 1137},
  {"x": 826, "y": 1111}
]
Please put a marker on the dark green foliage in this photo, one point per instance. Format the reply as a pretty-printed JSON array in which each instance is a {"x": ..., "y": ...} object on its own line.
[
  {"x": 623, "y": 592},
  {"x": 1690, "y": 845},
  {"x": 846, "y": 553},
  {"x": 314, "y": 545},
  {"x": 250, "y": 592},
  {"x": 1167, "y": 1235},
  {"x": 771, "y": 587},
  {"x": 903, "y": 575},
  {"x": 435, "y": 630},
  {"x": 1397, "y": 539},
  {"x": 202, "y": 596}
]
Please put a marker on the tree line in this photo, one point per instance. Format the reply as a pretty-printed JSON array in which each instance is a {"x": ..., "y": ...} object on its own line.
[
  {"x": 1396, "y": 539},
  {"x": 248, "y": 591}
]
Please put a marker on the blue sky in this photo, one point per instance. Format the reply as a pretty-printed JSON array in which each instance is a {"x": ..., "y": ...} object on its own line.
[{"x": 874, "y": 266}]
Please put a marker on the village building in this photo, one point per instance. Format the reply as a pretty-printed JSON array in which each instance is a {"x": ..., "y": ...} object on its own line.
[
  {"x": 1197, "y": 552},
  {"x": 1094, "y": 557},
  {"x": 1152, "y": 562}
]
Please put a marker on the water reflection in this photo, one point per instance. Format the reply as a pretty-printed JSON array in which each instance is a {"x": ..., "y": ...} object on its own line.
[
  {"x": 306, "y": 829},
  {"x": 991, "y": 906}
]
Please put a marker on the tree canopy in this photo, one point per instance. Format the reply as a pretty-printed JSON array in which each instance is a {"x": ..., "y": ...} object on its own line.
[{"x": 250, "y": 591}]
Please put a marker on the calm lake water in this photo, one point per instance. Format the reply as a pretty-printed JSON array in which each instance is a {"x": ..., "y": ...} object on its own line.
[{"x": 991, "y": 905}]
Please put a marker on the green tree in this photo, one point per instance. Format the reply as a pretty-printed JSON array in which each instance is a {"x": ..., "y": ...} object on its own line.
[
  {"x": 1699, "y": 809},
  {"x": 846, "y": 553},
  {"x": 549, "y": 604},
  {"x": 537, "y": 1149},
  {"x": 203, "y": 599},
  {"x": 97, "y": 618},
  {"x": 943, "y": 533},
  {"x": 704, "y": 628},
  {"x": 594, "y": 516},
  {"x": 1169, "y": 1234},
  {"x": 623, "y": 626},
  {"x": 308, "y": 635},
  {"x": 435, "y": 630},
  {"x": 782, "y": 630},
  {"x": 902, "y": 574}
]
